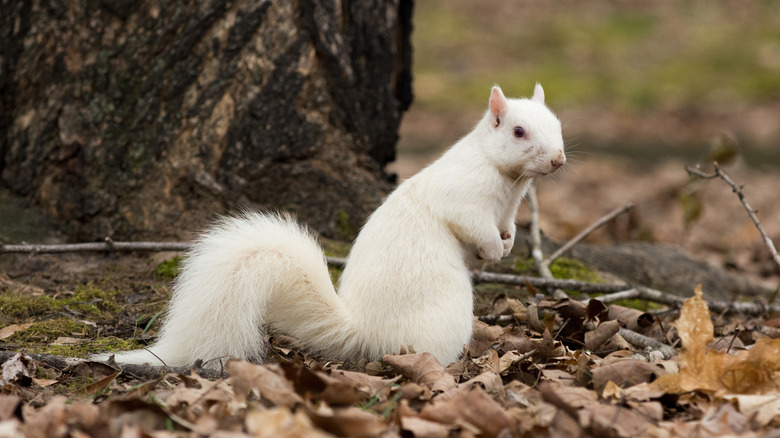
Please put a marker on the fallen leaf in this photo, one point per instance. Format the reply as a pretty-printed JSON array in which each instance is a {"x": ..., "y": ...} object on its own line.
[
  {"x": 761, "y": 409},
  {"x": 420, "y": 427},
  {"x": 753, "y": 371},
  {"x": 518, "y": 342},
  {"x": 319, "y": 386},
  {"x": 369, "y": 385},
  {"x": 268, "y": 380},
  {"x": 19, "y": 370},
  {"x": 490, "y": 382},
  {"x": 470, "y": 406},
  {"x": 64, "y": 340},
  {"x": 625, "y": 373},
  {"x": 349, "y": 421},
  {"x": 724, "y": 420},
  {"x": 483, "y": 337},
  {"x": 619, "y": 421},
  {"x": 8, "y": 331},
  {"x": 508, "y": 360},
  {"x": 100, "y": 385},
  {"x": 48, "y": 421},
  {"x": 603, "y": 332},
  {"x": 281, "y": 422},
  {"x": 424, "y": 369},
  {"x": 9, "y": 406}
]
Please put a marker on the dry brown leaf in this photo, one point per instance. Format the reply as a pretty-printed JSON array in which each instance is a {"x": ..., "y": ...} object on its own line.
[
  {"x": 488, "y": 362},
  {"x": 724, "y": 420},
  {"x": 753, "y": 371},
  {"x": 483, "y": 337},
  {"x": 368, "y": 386},
  {"x": 268, "y": 380},
  {"x": 318, "y": 385},
  {"x": 518, "y": 342},
  {"x": 9, "y": 404},
  {"x": 8, "y": 331},
  {"x": 122, "y": 414},
  {"x": 50, "y": 421},
  {"x": 424, "y": 369},
  {"x": 617, "y": 421},
  {"x": 349, "y": 421},
  {"x": 508, "y": 360},
  {"x": 66, "y": 340},
  {"x": 603, "y": 332},
  {"x": 19, "y": 370},
  {"x": 281, "y": 422},
  {"x": 625, "y": 373},
  {"x": 618, "y": 344},
  {"x": 470, "y": 407},
  {"x": 420, "y": 427},
  {"x": 490, "y": 382},
  {"x": 761, "y": 409},
  {"x": 573, "y": 397},
  {"x": 100, "y": 385}
]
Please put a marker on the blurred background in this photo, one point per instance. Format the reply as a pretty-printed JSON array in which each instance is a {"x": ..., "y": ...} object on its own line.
[{"x": 642, "y": 89}]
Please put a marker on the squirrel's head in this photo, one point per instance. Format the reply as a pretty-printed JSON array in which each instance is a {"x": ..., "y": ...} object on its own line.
[{"x": 524, "y": 136}]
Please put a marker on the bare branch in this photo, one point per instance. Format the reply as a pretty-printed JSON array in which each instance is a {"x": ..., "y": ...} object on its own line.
[
  {"x": 719, "y": 173},
  {"x": 641, "y": 341},
  {"x": 587, "y": 231},
  {"x": 536, "y": 235},
  {"x": 144, "y": 371},
  {"x": 522, "y": 280},
  {"x": 108, "y": 245},
  {"x": 656, "y": 296}
]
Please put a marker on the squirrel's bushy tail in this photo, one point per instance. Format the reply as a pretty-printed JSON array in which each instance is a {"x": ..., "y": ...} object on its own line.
[{"x": 242, "y": 274}]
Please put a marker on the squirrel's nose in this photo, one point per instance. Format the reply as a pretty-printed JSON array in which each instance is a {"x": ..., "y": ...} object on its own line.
[{"x": 558, "y": 161}]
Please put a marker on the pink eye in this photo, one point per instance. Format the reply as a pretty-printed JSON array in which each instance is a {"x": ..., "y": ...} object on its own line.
[{"x": 519, "y": 132}]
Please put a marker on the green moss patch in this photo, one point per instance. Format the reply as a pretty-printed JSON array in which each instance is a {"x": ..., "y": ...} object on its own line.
[
  {"x": 87, "y": 301},
  {"x": 169, "y": 269}
]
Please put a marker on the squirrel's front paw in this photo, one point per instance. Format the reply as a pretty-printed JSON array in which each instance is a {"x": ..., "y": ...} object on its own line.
[
  {"x": 508, "y": 241},
  {"x": 491, "y": 253}
]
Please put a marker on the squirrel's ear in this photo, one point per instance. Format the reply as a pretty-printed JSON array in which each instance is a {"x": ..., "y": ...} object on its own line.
[
  {"x": 498, "y": 102},
  {"x": 538, "y": 93}
]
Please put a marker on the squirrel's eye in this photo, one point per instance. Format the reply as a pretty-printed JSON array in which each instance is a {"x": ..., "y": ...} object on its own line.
[{"x": 519, "y": 132}]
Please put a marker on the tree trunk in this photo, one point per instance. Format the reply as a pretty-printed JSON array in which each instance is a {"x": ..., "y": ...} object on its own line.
[{"x": 142, "y": 119}]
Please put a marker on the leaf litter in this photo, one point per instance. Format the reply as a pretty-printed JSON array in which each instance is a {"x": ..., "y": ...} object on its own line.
[{"x": 564, "y": 370}]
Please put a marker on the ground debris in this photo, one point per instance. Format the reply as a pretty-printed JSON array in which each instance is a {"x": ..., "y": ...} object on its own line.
[{"x": 568, "y": 374}]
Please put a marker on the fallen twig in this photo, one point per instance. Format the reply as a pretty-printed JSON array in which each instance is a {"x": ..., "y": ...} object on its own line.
[
  {"x": 536, "y": 235},
  {"x": 554, "y": 283},
  {"x": 648, "y": 294},
  {"x": 109, "y": 245},
  {"x": 719, "y": 173},
  {"x": 641, "y": 341},
  {"x": 587, "y": 231},
  {"x": 144, "y": 371}
]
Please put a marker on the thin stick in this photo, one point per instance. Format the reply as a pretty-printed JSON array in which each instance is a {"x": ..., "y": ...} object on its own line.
[
  {"x": 550, "y": 283},
  {"x": 719, "y": 173},
  {"x": 641, "y": 341},
  {"x": 110, "y": 245},
  {"x": 536, "y": 235},
  {"x": 145, "y": 371},
  {"x": 587, "y": 231},
  {"x": 648, "y": 294}
]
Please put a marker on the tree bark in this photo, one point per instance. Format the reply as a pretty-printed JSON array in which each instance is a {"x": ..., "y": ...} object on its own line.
[{"x": 142, "y": 119}]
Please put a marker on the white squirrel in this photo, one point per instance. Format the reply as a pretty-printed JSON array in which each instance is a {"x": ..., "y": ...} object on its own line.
[{"x": 407, "y": 280}]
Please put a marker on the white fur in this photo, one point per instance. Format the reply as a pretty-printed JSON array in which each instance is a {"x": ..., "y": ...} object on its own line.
[{"x": 407, "y": 280}]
